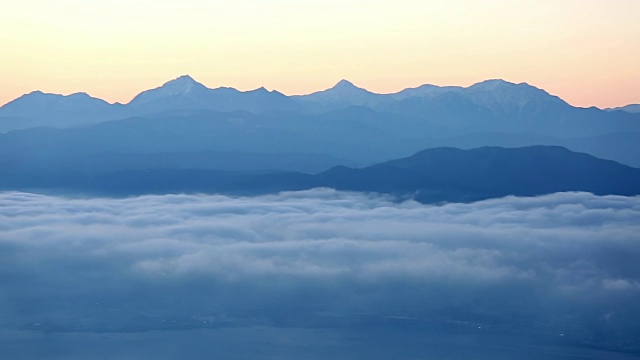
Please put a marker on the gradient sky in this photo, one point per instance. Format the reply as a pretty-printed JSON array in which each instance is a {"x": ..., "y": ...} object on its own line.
[{"x": 585, "y": 51}]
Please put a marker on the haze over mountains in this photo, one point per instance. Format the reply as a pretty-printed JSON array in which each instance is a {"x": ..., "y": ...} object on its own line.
[{"x": 183, "y": 125}]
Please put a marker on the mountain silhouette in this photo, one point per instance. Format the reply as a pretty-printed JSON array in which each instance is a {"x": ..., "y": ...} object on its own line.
[
  {"x": 488, "y": 106},
  {"x": 344, "y": 122},
  {"x": 446, "y": 173},
  {"x": 432, "y": 175},
  {"x": 184, "y": 87},
  {"x": 631, "y": 108},
  {"x": 38, "y": 108},
  {"x": 341, "y": 95},
  {"x": 184, "y": 93}
]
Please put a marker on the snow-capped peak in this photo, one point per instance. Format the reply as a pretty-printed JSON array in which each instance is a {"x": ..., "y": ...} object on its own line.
[
  {"x": 182, "y": 86},
  {"x": 491, "y": 84},
  {"x": 344, "y": 84}
]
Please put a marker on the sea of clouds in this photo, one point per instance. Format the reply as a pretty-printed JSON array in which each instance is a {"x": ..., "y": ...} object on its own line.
[{"x": 568, "y": 260}]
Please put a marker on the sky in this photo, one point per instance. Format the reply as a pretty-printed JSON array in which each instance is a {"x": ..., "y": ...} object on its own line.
[{"x": 586, "y": 52}]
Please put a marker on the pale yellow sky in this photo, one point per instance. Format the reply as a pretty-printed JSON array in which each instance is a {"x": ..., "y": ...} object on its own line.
[{"x": 585, "y": 51}]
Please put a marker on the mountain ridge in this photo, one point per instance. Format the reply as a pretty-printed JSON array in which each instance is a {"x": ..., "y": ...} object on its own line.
[
  {"x": 631, "y": 108},
  {"x": 344, "y": 121},
  {"x": 184, "y": 80},
  {"x": 431, "y": 175}
]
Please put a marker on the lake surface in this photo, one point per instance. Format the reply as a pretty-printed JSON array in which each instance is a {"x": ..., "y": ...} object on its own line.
[{"x": 287, "y": 343}]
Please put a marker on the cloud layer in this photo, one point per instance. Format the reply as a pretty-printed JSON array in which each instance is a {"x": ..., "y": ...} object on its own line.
[{"x": 289, "y": 257}]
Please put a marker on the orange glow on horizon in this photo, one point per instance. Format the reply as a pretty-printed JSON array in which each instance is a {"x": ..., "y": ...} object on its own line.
[{"x": 584, "y": 52}]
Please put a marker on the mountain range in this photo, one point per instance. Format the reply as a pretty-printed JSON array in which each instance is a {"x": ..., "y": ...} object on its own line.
[
  {"x": 488, "y": 105},
  {"x": 184, "y": 126},
  {"x": 431, "y": 175}
]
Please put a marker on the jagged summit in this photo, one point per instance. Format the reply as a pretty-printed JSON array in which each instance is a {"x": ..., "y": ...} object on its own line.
[
  {"x": 491, "y": 84},
  {"x": 344, "y": 84},
  {"x": 501, "y": 85},
  {"x": 498, "y": 91},
  {"x": 425, "y": 90},
  {"x": 344, "y": 92},
  {"x": 184, "y": 78},
  {"x": 261, "y": 89},
  {"x": 184, "y": 85},
  {"x": 341, "y": 87}
]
